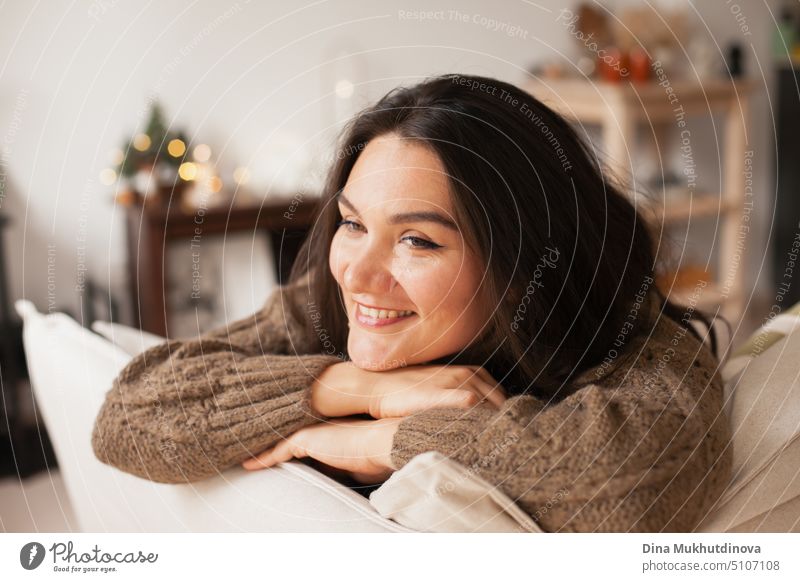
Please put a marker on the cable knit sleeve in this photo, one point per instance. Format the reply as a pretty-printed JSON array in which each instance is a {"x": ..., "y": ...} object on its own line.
[
  {"x": 186, "y": 410},
  {"x": 644, "y": 449}
]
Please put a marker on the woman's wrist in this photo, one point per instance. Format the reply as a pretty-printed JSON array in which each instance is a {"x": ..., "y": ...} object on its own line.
[
  {"x": 340, "y": 390},
  {"x": 386, "y": 429}
]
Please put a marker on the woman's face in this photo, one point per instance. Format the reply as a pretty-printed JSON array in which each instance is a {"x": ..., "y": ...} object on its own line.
[{"x": 409, "y": 283}]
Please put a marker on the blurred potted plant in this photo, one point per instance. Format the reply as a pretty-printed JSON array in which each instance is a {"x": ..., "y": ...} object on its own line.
[{"x": 152, "y": 160}]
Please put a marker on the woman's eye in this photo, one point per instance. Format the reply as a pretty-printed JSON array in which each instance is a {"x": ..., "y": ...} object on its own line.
[
  {"x": 349, "y": 225},
  {"x": 414, "y": 242},
  {"x": 421, "y": 243}
]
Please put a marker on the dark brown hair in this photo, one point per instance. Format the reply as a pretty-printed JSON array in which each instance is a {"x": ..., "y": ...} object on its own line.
[{"x": 522, "y": 182}]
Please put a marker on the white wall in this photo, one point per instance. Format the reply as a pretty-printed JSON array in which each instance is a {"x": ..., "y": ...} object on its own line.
[{"x": 253, "y": 79}]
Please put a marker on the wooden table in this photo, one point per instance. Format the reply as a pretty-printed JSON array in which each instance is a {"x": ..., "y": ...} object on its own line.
[{"x": 151, "y": 226}]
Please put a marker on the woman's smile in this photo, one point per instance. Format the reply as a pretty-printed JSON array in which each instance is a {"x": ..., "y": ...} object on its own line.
[{"x": 373, "y": 317}]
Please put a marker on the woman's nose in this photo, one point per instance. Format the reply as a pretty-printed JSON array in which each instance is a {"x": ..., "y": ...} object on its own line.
[{"x": 368, "y": 272}]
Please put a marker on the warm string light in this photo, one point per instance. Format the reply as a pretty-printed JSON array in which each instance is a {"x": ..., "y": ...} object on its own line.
[
  {"x": 141, "y": 142},
  {"x": 198, "y": 171},
  {"x": 108, "y": 177},
  {"x": 215, "y": 184},
  {"x": 202, "y": 153},
  {"x": 176, "y": 148},
  {"x": 187, "y": 171}
]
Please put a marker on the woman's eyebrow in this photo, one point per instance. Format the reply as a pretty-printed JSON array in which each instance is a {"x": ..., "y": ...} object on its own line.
[
  {"x": 403, "y": 217},
  {"x": 423, "y": 217}
]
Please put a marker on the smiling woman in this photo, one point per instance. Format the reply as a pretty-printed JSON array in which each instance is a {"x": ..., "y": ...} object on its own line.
[
  {"x": 488, "y": 301},
  {"x": 408, "y": 281}
]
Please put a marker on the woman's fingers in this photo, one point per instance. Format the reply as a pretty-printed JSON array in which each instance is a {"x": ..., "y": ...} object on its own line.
[
  {"x": 261, "y": 461},
  {"x": 284, "y": 451},
  {"x": 359, "y": 446},
  {"x": 489, "y": 387},
  {"x": 412, "y": 393},
  {"x": 494, "y": 395},
  {"x": 469, "y": 394},
  {"x": 407, "y": 402},
  {"x": 488, "y": 394},
  {"x": 464, "y": 398}
]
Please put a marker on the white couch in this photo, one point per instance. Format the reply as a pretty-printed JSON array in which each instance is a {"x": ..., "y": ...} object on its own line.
[{"x": 71, "y": 369}]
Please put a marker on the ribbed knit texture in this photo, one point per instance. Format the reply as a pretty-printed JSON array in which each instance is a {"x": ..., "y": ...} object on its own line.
[{"x": 642, "y": 448}]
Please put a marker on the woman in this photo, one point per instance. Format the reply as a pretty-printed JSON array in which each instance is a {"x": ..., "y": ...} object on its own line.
[{"x": 472, "y": 285}]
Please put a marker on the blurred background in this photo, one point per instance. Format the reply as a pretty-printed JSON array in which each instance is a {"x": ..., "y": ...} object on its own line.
[{"x": 159, "y": 162}]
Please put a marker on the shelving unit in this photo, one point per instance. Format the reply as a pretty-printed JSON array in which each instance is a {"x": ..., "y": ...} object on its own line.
[{"x": 619, "y": 107}]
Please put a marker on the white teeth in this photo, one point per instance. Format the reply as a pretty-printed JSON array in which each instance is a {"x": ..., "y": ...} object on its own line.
[{"x": 383, "y": 313}]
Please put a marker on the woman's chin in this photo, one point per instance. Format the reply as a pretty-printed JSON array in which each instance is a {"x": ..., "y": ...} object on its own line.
[
  {"x": 378, "y": 364},
  {"x": 376, "y": 360}
]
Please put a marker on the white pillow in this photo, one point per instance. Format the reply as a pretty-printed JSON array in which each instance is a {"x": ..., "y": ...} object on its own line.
[
  {"x": 130, "y": 340},
  {"x": 72, "y": 368}
]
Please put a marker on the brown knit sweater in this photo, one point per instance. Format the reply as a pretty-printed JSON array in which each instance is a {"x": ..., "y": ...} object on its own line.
[{"x": 642, "y": 448}]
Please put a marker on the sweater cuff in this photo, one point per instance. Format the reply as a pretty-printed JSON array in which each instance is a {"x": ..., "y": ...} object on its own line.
[
  {"x": 316, "y": 366},
  {"x": 450, "y": 431},
  {"x": 297, "y": 388}
]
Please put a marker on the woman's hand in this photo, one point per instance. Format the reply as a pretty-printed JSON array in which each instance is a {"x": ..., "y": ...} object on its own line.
[
  {"x": 361, "y": 447},
  {"x": 343, "y": 389}
]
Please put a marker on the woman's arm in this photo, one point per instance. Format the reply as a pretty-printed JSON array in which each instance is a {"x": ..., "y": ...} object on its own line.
[
  {"x": 645, "y": 451},
  {"x": 186, "y": 410}
]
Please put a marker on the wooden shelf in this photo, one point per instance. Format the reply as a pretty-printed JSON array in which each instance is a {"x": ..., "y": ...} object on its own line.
[
  {"x": 702, "y": 206},
  {"x": 589, "y": 100},
  {"x": 620, "y": 107}
]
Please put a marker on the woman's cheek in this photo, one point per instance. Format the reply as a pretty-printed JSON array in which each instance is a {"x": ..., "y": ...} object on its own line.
[{"x": 426, "y": 279}]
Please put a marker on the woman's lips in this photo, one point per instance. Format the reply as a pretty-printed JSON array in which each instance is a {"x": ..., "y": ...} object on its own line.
[{"x": 372, "y": 322}]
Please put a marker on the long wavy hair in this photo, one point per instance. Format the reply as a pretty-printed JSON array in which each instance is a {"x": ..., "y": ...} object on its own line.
[{"x": 567, "y": 255}]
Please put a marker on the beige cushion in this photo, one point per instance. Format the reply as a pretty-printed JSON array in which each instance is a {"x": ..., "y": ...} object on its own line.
[{"x": 436, "y": 494}]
